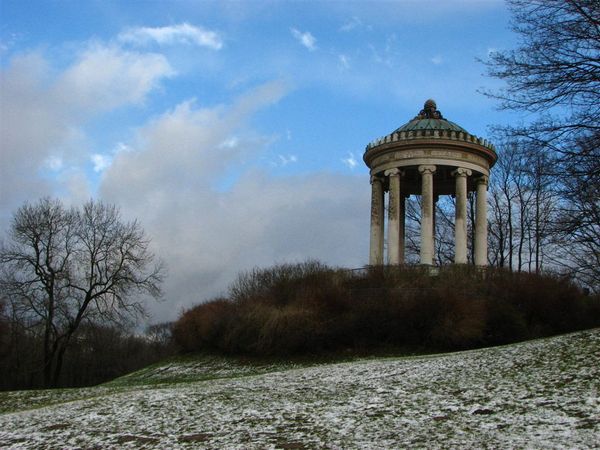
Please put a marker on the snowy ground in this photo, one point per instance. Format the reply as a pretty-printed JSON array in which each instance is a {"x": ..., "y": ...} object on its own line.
[{"x": 539, "y": 394}]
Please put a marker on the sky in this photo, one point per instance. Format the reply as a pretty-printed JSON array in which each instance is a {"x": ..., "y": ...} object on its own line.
[{"x": 233, "y": 131}]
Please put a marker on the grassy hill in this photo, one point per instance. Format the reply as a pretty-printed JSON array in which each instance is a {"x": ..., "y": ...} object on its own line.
[{"x": 535, "y": 394}]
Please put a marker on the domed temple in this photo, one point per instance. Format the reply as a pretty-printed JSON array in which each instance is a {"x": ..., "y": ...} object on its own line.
[{"x": 428, "y": 156}]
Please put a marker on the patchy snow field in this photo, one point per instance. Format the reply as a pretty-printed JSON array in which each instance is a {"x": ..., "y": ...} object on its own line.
[{"x": 537, "y": 394}]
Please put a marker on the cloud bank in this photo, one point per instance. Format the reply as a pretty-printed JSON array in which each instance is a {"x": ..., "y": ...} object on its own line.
[
  {"x": 206, "y": 235},
  {"x": 43, "y": 114}
]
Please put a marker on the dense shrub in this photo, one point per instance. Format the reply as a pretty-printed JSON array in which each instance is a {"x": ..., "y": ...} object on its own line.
[
  {"x": 202, "y": 326},
  {"x": 310, "y": 308}
]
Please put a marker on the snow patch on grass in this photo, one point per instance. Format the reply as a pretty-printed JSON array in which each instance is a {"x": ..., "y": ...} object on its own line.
[
  {"x": 535, "y": 394},
  {"x": 186, "y": 369}
]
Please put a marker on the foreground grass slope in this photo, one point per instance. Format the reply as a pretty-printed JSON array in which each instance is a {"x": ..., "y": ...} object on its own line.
[{"x": 542, "y": 393}]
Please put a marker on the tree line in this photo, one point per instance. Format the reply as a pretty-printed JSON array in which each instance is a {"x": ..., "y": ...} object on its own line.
[{"x": 97, "y": 353}]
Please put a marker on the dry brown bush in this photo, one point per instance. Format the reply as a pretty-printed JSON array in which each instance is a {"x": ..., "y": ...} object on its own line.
[
  {"x": 310, "y": 308},
  {"x": 201, "y": 326}
]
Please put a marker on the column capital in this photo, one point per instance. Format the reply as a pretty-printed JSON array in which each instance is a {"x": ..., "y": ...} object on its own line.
[
  {"x": 461, "y": 172},
  {"x": 427, "y": 169},
  {"x": 376, "y": 178},
  {"x": 393, "y": 172},
  {"x": 483, "y": 179}
]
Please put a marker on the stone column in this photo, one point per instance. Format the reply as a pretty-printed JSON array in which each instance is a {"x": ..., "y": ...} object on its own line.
[
  {"x": 434, "y": 225},
  {"x": 460, "y": 216},
  {"x": 481, "y": 222},
  {"x": 393, "y": 240},
  {"x": 376, "y": 245},
  {"x": 427, "y": 213}
]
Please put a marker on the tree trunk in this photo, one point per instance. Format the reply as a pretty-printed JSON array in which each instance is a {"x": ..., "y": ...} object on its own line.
[
  {"x": 538, "y": 237},
  {"x": 48, "y": 353},
  {"x": 472, "y": 223},
  {"x": 59, "y": 362},
  {"x": 510, "y": 230}
]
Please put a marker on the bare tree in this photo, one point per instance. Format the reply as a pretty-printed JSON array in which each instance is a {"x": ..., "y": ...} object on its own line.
[
  {"x": 444, "y": 230},
  {"x": 508, "y": 206},
  {"x": 497, "y": 227},
  {"x": 538, "y": 168},
  {"x": 555, "y": 71},
  {"x": 412, "y": 241},
  {"x": 578, "y": 224},
  {"x": 63, "y": 267},
  {"x": 502, "y": 202},
  {"x": 523, "y": 206}
]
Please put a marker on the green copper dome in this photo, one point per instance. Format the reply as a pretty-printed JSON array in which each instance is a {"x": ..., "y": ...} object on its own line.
[{"x": 429, "y": 118}]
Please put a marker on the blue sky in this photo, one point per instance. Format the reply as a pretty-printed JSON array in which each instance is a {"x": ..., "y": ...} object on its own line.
[{"x": 233, "y": 130}]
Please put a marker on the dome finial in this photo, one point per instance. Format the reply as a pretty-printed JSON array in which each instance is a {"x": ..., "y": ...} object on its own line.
[{"x": 429, "y": 111}]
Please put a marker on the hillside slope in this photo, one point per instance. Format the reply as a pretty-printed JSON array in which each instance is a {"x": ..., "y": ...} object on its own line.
[{"x": 535, "y": 394}]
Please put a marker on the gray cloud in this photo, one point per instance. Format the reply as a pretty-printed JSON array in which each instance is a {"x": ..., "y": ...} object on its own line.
[{"x": 207, "y": 236}]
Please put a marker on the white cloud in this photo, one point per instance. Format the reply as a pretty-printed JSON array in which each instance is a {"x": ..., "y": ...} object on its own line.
[
  {"x": 354, "y": 23},
  {"x": 183, "y": 33},
  {"x": 384, "y": 58},
  {"x": 101, "y": 162},
  {"x": 121, "y": 147},
  {"x": 231, "y": 142},
  {"x": 187, "y": 147},
  {"x": 306, "y": 39},
  {"x": 437, "y": 60},
  {"x": 284, "y": 160},
  {"x": 108, "y": 77},
  {"x": 54, "y": 163},
  {"x": 344, "y": 61},
  {"x": 350, "y": 161}
]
